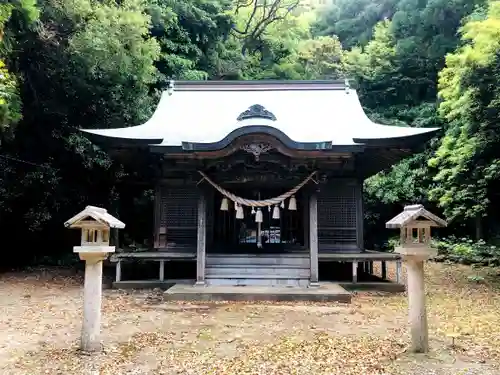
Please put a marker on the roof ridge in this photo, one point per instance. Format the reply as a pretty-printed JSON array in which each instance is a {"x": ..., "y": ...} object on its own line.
[{"x": 256, "y": 85}]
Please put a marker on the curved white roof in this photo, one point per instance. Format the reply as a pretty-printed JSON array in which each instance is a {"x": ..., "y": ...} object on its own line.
[{"x": 309, "y": 114}]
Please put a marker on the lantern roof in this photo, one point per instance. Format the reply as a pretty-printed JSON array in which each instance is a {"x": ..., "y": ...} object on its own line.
[
  {"x": 98, "y": 214},
  {"x": 412, "y": 213}
]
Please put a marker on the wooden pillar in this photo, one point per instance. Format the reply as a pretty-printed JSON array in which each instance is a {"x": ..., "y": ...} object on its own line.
[
  {"x": 384, "y": 270},
  {"x": 305, "y": 217},
  {"x": 370, "y": 267},
  {"x": 359, "y": 216},
  {"x": 313, "y": 239},
  {"x": 118, "y": 275},
  {"x": 202, "y": 236},
  {"x": 162, "y": 270},
  {"x": 157, "y": 217},
  {"x": 355, "y": 271}
]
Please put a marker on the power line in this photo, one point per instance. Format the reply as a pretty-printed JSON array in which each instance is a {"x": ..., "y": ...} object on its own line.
[{"x": 23, "y": 161}]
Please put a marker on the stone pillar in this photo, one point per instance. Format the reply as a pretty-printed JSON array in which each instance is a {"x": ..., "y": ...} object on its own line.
[
  {"x": 355, "y": 271},
  {"x": 417, "y": 311},
  {"x": 92, "y": 296},
  {"x": 118, "y": 275}
]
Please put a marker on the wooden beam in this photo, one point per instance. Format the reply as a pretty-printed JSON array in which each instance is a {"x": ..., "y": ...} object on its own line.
[
  {"x": 202, "y": 236},
  {"x": 359, "y": 215},
  {"x": 384, "y": 270},
  {"x": 157, "y": 216},
  {"x": 313, "y": 238}
]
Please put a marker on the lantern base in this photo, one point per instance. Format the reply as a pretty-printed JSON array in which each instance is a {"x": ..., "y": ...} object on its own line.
[
  {"x": 94, "y": 249},
  {"x": 415, "y": 253}
]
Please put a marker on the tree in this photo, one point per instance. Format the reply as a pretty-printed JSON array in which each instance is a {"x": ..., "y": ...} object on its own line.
[
  {"x": 255, "y": 17},
  {"x": 353, "y": 20},
  {"x": 191, "y": 35},
  {"x": 468, "y": 160},
  {"x": 89, "y": 64},
  {"x": 321, "y": 58},
  {"x": 10, "y": 102}
]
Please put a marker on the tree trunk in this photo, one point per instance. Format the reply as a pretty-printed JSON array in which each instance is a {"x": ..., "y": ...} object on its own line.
[{"x": 479, "y": 227}]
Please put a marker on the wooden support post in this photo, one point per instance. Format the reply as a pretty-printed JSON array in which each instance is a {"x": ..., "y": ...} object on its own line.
[
  {"x": 118, "y": 275},
  {"x": 202, "y": 236},
  {"x": 157, "y": 216},
  {"x": 355, "y": 271},
  {"x": 398, "y": 271},
  {"x": 359, "y": 215},
  {"x": 384, "y": 270},
  {"x": 313, "y": 239},
  {"x": 162, "y": 270},
  {"x": 370, "y": 267}
]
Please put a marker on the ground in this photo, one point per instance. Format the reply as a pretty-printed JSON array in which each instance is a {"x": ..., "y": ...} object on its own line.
[{"x": 40, "y": 323}]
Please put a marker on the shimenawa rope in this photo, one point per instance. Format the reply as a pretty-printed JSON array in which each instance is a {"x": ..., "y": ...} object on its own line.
[{"x": 254, "y": 203}]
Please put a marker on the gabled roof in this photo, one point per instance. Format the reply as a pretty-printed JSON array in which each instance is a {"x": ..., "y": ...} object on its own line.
[
  {"x": 305, "y": 115},
  {"x": 412, "y": 213},
  {"x": 98, "y": 214}
]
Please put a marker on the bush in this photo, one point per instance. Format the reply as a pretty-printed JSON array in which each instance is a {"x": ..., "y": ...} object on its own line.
[
  {"x": 457, "y": 250},
  {"x": 466, "y": 251},
  {"x": 390, "y": 245}
]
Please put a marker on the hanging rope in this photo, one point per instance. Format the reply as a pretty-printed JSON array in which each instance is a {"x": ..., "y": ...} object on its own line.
[{"x": 254, "y": 203}]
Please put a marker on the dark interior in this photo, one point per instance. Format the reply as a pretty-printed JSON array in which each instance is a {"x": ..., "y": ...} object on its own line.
[{"x": 231, "y": 235}]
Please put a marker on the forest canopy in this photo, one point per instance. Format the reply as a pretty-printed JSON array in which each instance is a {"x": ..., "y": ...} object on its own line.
[{"x": 96, "y": 64}]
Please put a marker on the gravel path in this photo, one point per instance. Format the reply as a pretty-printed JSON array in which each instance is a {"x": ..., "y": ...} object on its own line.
[{"x": 40, "y": 318}]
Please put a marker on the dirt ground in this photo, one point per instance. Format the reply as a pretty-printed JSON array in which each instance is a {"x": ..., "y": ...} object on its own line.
[{"x": 40, "y": 320}]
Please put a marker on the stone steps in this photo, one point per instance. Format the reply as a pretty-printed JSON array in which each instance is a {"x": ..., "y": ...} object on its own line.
[{"x": 264, "y": 282}]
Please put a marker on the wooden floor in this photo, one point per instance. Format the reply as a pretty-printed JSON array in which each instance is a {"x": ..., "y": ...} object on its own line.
[
  {"x": 350, "y": 256},
  {"x": 284, "y": 270}
]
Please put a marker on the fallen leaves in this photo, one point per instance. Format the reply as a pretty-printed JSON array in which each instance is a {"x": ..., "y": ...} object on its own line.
[{"x": 143, "y": 335}]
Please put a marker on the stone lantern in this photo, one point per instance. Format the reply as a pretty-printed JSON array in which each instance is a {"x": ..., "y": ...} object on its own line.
[
  {"x": 95, "y": 224},
  {"x": 415, "y": 224}
]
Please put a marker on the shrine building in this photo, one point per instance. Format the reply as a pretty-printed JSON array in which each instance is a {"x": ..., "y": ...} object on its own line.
[{"x": 259, "y": 182}]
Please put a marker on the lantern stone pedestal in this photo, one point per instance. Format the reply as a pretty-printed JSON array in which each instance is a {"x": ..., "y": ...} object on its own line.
[
  {"x": 92, "y": 300},
  {"x": 95, "y": 224},
  {"x": 413, "y": 259}
]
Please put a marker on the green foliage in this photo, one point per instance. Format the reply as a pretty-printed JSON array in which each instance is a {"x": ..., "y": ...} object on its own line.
[
  {"x": 467, "y": 251},
  {"x": 321, "y": 58},
  {"x": 70, "y": 64},
  {"x": 10, "y": 102},
  {"x": 467, "y": 161},
  {"x": 353, "y": 20},
  {"x": 191, "y": 35},
  {"x": 94, "y": 68}
]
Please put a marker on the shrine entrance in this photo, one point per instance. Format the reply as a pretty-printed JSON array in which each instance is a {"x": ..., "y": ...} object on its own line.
[{"x": 275, "y": 234}]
